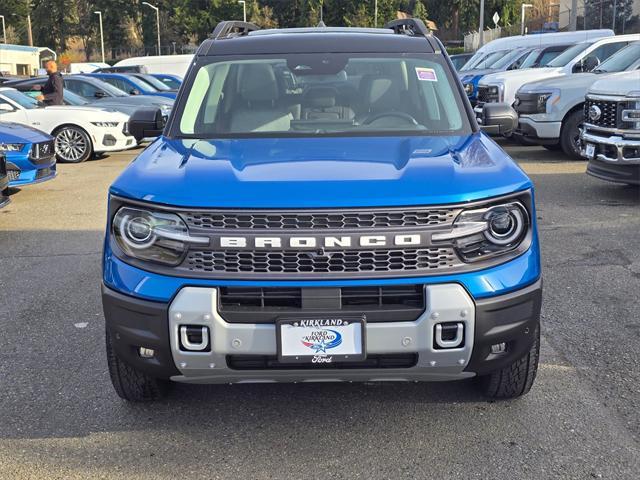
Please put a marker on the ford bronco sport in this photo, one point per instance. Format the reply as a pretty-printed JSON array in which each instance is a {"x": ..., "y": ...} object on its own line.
[{"x": 321, "y": 206}]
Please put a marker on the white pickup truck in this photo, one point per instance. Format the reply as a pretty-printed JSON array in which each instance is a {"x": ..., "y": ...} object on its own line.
[
  {"x": 610, "y": 138},
  {"x": 582, "y": 57}
]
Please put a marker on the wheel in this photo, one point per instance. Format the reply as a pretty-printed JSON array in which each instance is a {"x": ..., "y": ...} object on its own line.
[
  {"x": 516, "y": 379},
  {"x": 554, "y": 148},
  {"x": 130, "y": 383},
  {"x": 72, "y": 144},
  {"x": 570, "y": 135}
]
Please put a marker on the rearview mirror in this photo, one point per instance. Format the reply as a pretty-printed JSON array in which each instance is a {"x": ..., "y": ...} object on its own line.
[
  {"x": 146, "y": 122},
  {"x": 499, "y": 118}
]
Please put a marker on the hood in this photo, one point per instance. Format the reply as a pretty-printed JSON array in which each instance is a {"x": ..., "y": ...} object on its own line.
[
  {"x": 576, "y": 80},
  {"x": 320, "y": 172},
  {"x": 16, "y": 133},
  {"x": 619, "y": 84},
  {"x": 137, "y": 100},
  {"x": 105, "y": 113},
  {"x": 520, "y": 76}
]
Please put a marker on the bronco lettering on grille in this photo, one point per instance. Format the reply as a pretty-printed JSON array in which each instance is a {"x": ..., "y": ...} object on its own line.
[{"x": 311, "y": 242}]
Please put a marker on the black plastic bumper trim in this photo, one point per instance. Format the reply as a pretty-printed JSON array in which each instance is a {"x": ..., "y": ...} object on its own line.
[
  {"x": 628, "y": 174},
  {"x": 511, "y": 319}
]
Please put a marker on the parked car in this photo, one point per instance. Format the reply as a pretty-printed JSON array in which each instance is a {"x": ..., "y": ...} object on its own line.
[
  {"x": 130, "y": 84},
  {"x": 80, "y": 90},
  {"x": 173, "y": 64},
  {"x": 537, "y": 41},
  {"x": 460, "y": 59},
  {"x": 610, "y": 137},
  {"x": 78, "y": 131},
  {"x": 551, "y": 111},
  {"x": 171, "y": 81},
  {"x": 582, "y": 57},
  {"x": 127, "y": 69},
  {"x": 290, "y": 227},
  {"x": 86, "y": 67},
  {"x": 4, "y": 182},
  {"x": 154, "y": 82},
  {"x": 30, "y": 154}
]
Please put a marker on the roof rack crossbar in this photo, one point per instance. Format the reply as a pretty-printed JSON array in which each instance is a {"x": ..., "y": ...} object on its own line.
[
  {"x": 232, "y": 29},
  {"x": 408, "y": 26}
]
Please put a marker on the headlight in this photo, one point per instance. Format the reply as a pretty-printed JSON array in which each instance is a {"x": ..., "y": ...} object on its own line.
[
  {"x": 496, "y": 92},
  {"x": 165, "y": 110},
  {"x": 105, "y": 124},
  {"x": 11, "y": 147},
  {"x": 152, "y": 236},
  {"x": 468, "y": 88},
  {"x": 488, "y": 232},
  {"x": 632, "y": 114},
  {"x": 541, "y": 102}
]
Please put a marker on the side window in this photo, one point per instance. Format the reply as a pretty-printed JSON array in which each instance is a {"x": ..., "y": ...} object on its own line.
[
  {"x": 6, "y": 107},
  {"x": 82, "y": 88},
  {"x": 116, "y": 82},
  {"x": 605, "y": 51}
]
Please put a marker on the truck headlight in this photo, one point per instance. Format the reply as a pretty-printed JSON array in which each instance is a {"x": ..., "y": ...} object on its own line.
[
  {"x": 541, "y": 102},
  {"x": 632, "y": 114},
  {"x": 468, "y": 88},
  {"x": 487, "y": 232},
  {"x": 152, "y": 236},
  {"x": 11, "y": 147}
]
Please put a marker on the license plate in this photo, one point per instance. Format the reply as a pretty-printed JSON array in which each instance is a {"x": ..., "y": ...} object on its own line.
[
  {"x": 322, "y": 340},
  {"x": 590, "y": 150}
]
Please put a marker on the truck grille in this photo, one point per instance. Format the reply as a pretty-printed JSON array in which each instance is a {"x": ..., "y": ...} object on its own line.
[
  {"x": 266, "y": 362},
  {"x": 321, "y": 220},
  {"x": 609, "y": 117},
  {"x": 485, "y": 97},
  {"x": 296, "y": 262},
  {"x": 265, "y": 305}
]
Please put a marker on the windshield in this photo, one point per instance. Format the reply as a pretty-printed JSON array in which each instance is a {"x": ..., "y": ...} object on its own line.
[
  {"x": 621, "y": 60},
  {"x": 322, "y": 94},
  {"x": 508, "y": 59},
  {"x": 531, "y": 58},
  {"x": 569, "y": 54},
  {"x": 21, "y": 99},
  {"x": 154, "y": 82},
  {"x": 141, "y": 84},
  {"x": 490, "y": 60},
  {"x": 107, "y": 87}
]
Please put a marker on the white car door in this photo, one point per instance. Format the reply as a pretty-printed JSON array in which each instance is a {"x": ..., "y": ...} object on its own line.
[{"x": 11, "y": 113}]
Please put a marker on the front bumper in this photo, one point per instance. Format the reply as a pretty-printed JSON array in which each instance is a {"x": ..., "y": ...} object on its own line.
[
  {"x": 510, "y": 319},
  {"x": 112, "y": 140},
  {"x": 616, "y": 159},
  {"x": 539, "y": 133}
]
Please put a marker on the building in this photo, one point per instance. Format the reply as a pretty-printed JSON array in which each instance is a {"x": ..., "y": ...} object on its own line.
[{"x": 22, "y": 60}]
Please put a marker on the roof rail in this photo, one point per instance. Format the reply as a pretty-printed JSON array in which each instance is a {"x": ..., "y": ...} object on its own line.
[
  {"x": 232, "y": 28},
  {"x": 408, "y": 26}
]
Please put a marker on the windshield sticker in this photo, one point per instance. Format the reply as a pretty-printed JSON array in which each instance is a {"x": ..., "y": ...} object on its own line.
[{"x": 426, "y": 74}]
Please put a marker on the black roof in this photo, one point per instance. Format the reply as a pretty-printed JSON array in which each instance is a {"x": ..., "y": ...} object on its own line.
[{"x": 239, "y": 38}]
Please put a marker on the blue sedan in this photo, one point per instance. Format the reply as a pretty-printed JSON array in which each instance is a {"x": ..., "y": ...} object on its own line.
[
  {"x": 131, "y": 84},
  {"x": 171, "y": 81},
  {"x": 30, "y": 154}
]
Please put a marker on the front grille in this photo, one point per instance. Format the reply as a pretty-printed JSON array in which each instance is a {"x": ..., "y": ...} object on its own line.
[
  {"x": 13, "y": 171},
  {"x": 346, "y": 261},
  {"x": 265, "y": 305},
  {"x": 484, "y": 96},
  {"x": 609, "y": 117},
  {"x": 526, "y": 103},
  {"x": 264, "y": 362},
  {"x": 321, "y": 220}
]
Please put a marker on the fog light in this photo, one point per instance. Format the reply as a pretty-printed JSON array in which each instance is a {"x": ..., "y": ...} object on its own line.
[
  {"x": 146, "y": 352},
  {"x": 498, "y": 348}
]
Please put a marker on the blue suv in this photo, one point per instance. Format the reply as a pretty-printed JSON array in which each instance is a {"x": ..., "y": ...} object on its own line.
[
  {"x": 30, "y": 154},
  {"x": 322, "y": 206}
]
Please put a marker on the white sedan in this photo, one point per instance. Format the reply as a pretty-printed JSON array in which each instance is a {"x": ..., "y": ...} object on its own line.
[{"x": 78, "y": 131}]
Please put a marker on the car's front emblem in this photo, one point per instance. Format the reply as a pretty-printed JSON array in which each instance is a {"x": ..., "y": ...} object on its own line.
[{"x": 594, "y": 113}]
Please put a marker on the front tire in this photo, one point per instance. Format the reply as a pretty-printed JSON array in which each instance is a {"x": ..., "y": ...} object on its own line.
[
  {"x": 72, "y": 144},
  {"x": 130, "y": 383},
  {"x": 570, "y": 135},
  {"x": 516, "y": 379}
]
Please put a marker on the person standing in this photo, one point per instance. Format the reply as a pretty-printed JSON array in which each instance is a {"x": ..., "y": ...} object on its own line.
[{"x": 52, "y": 91}]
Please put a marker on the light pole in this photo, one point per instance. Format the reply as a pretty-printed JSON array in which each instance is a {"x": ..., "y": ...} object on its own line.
[
  {"x": 524, "y": 7},
  {"x": 244, "y": 10},
  {"x": 613, "y": 27},
  {"x": 101, "y": 34},
  {"x": 157, "y": 20},
  {"x": 481, "y": 27},
  {"x": 4, "y": 30},
  {"x": 375, "y": 14},
  {"x": 29, "y": 32}
]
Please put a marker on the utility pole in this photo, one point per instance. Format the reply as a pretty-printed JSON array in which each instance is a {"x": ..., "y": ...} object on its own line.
[
  {"x": 613, "y": 26},
  {"x": 481, "y": 27},
  {"x": 573, "y": 16},
  {"x": 244, "y": 10},
  {"x": 4, "y": 30},
  {"x": 99, "y": 13},
  {"x": 157, "y": 20},
  {"x": 375, "y": 14},
  {"x": 29, "y": 32}
]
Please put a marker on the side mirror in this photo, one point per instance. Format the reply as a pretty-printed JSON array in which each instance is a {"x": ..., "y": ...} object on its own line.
[
  {"x": 5, "y": 108},
  {"x": 99, "y": 94},
  {"x": 146, "y": 122},
  {"x": 499, "y": 118},
  {"x": 134, "y": 91}
]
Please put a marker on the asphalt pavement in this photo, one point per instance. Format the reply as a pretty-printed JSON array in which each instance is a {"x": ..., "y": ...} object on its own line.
[{"x": 61, "y": 419}]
